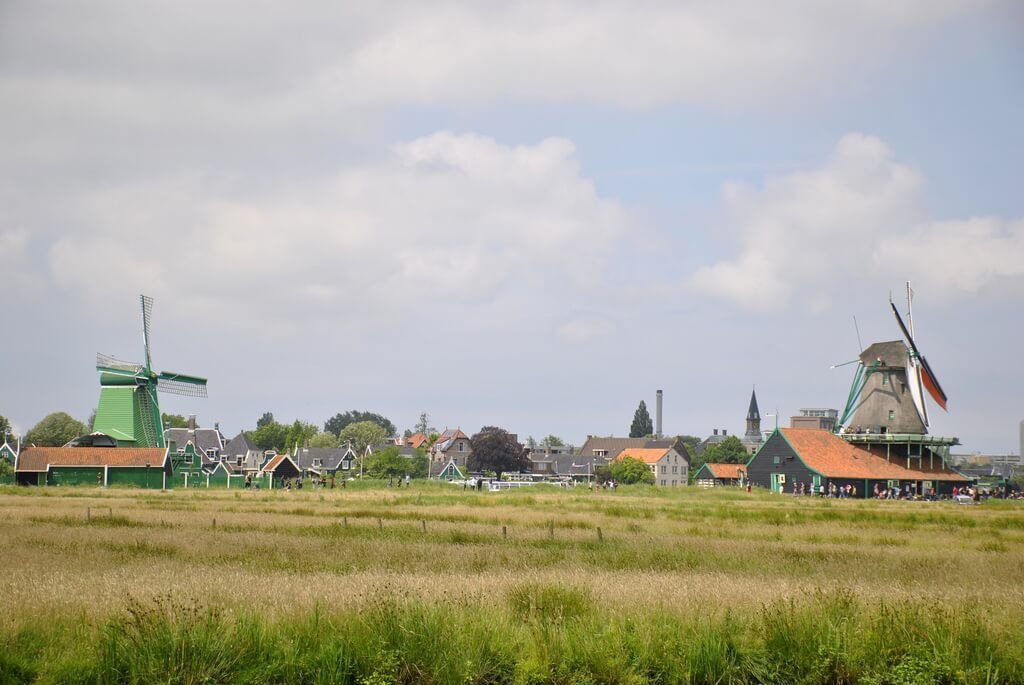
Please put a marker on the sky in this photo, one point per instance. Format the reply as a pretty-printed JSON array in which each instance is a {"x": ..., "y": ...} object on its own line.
[{"x": 530, "y": 215}]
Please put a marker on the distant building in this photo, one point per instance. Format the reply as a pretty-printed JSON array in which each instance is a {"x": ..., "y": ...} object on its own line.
[
  {"x": 207, "y": 443},
  {"x": 324, "y": 461},
  {"x": 979, "y": 459},
  {"x": 711, "y": 475},
  {"x": 9, "y": 451},
  {"x": 416, "y": 440},
  {"x": 823, "y": 419},
  {"x": 814, "y": 457},
  {"x": 561, "y": 463},
  {"x": 670, "y": 468},
  {"x": 241, "y": 456},
  {"x": 751, "y": 439},
  {"x": 281, "y": 468},
  {"x": 452, "y": 445},
  {"x": 610, "y": 448},
  {"x": 143, "y": 467}
]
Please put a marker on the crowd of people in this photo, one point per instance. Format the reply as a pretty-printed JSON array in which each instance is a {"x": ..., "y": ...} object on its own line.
[{"x": 908, "y": 491}]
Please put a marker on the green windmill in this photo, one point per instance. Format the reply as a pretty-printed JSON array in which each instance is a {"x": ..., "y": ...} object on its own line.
[{"x": 129, "y": 410}]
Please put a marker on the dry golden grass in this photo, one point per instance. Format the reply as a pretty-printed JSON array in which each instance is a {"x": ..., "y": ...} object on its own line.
[{"x": 282, "y": 552}]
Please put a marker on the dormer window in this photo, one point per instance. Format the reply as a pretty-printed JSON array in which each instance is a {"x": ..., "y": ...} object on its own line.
[
  {"x": 188, "y": 458},
  {"x": 318, "y": 462},
  {"x": 600, "y": 453},
  {"x": 239, "y": 460},
  {"x": 212, "y": 454}
]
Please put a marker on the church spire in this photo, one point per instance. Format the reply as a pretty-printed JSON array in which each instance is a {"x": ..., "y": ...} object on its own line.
[{"x": 753, "y": 419}]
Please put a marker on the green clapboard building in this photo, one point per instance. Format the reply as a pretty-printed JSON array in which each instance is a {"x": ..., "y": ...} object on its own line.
[{"x": 141, "y": 467}]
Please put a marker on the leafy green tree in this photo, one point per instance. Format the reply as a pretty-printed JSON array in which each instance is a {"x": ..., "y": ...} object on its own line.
[
  {"x": 729, "y": 451},
  {"x": 329, "y": 440},
  {"x": 495, "y": 449},
  {"x": 90, "y": 422},
  {"x": 407, "y": 433},
  {"x": 419, "y": 464},
  {"x": 423, "y": 425},
  {"x": 55, "y": 430},
  {"x": 6, "y": 468},
  {"x": 299, "y": 433},
  {"x": 387, "y": 463},
  {"x": 271, "y": 436},
  {"x": 264, "y": 420},
  {"x": 553, "y": 441},
  {"x": 5, "y": 428},
  {"x": 337, "y": 423},
  {"x": 361, "y": 434},
  {"x": 630, "y": 470},
  {"x": 642, "y": 425},
  {"x": 174, "y": 421},
  {"x": 603, "y": 473}
]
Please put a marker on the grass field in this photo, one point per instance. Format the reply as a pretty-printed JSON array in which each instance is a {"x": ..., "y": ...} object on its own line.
[{"x": 374, "y": 585}]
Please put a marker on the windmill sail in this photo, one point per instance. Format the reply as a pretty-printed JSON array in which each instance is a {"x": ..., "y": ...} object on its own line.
[
  {"x": 180, "y": 384},
  {"x": 923, "y": 370},
  {"x": 914, "y": 383},
  {"x": 147, "y": 313}
]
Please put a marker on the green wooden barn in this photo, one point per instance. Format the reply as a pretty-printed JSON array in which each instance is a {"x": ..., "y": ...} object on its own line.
[{"x": 141, "y": 467}]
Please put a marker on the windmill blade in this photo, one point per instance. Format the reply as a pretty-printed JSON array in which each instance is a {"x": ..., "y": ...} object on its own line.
[
  {"x": 116, "y": 366},
  {"x": 906, "y": 333},
  {"x": 928, "y": 379},
  {"x": 180, "y": 384},
  {"x": 147, "y": 312},
  {"x": 931, "y": 384}
]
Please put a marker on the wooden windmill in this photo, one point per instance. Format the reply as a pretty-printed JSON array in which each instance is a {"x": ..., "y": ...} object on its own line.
[
  {"x": 129, "y": 410},
  {"x": 889, "y": 386}
]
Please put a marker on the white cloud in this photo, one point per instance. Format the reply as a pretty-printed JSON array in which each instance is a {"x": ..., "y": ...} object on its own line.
[
  {"x": 443, "y": 219},
  {"x": 959, "y": 257},
  {"x": 582, "y": 329},
  {"x": 855, "y": 219},
  {"x": 227, "y": 82}
]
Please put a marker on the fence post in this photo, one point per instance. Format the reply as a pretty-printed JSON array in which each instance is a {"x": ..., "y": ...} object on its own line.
[
  {"x": 345, "y": 520},
  {"x": 215, "y": 522},
  {"x": 380, "y": 524},
  {"x": 551, "y": 529},
  {"x": 110, "y": 513},
  {"x": 599, "y": 536},
  {"x": 88, "y": 513},
  {"x": 504, "y": 532},
  {"x": 424, "y": 522}
]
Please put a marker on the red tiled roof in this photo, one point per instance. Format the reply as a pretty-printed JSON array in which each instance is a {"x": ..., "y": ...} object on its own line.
[
  {"x": 832, "y": 456},
  {"x": 39, "y": 458},
  {"x": 648, "y": 455},
  {"x": 416, "y": 440},
  {"x": 275, "y": 462},
  {"x": 732, "y": 471}
]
